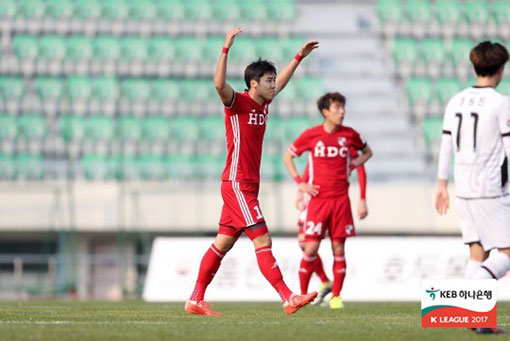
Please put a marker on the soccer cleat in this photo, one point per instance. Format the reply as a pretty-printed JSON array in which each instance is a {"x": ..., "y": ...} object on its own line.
[
  {"x": 200, "y": 308},
  {"x": 336, "y": 303},
  {"x": 489, "y": 331},
  {"x": 324, "y": 289},
  {"x": 297, "y": 302}
]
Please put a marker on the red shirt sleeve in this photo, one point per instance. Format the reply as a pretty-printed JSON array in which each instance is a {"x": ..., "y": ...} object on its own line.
[
  {"x": 356, "y": 141},
  {"x": 301, "y": 144},
  {"x": 236, "y": 106}
]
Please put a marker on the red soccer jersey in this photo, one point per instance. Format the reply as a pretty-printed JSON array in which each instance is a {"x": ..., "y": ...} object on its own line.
[
  {"x": 329, "y": 159},
  {"x": 245, "y": 123}
]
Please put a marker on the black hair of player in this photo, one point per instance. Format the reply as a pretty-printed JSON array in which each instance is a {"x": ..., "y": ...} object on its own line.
[
  {"x": 488, "y": 58},
  {"x": 324, "y": 102},
  {"x": 257, "y": 69}
]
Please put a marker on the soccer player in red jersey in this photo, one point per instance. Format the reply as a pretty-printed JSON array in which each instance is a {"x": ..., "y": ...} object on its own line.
[
  {"x": 246, "y": 115},
  {"x": 329, "y": 166},
  {"x": 301, "y": 203}
]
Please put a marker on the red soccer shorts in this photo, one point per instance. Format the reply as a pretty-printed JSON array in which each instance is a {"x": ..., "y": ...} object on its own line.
[
  {"x": 333, "y": 215},
  {"x": 241, "y": 209}
]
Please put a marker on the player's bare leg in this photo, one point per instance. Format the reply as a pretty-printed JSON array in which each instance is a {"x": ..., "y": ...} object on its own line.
[
  {"x": 271, "y": 271},
  {"x": 339, "y": 267},
  {"x": 208, "y": 267}
]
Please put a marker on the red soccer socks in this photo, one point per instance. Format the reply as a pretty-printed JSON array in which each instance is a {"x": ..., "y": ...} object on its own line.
[
  {"x": 208, "y": 267},
  {"x": 271, "y": 271},
  {"x": 339, "y": 267},
  {"x": 306, "y": 269}
]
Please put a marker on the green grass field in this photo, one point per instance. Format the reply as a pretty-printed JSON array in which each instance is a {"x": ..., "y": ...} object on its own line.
[{"x": 136, "y": 320}]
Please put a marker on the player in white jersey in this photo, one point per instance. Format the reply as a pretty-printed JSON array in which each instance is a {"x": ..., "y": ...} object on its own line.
[{"x": 476, "y": 130}]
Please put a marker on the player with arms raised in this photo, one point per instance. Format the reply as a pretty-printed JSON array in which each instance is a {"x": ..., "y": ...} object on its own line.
[
  {"x": 246, "y": 115},
  {"x": 476, "y": 130},
  {"x": 329, "y": 167}
]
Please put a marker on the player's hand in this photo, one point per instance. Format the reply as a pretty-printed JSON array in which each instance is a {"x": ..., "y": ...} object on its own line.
[
  {"x": 442, "y": 200},
  {"x": 307, "y": 48},
  {"x": 299, "y": 202},
  {"x": 313, "y": 190},
  {"x": 362, "y": 209},
  {"x": 229, "y": 37}
]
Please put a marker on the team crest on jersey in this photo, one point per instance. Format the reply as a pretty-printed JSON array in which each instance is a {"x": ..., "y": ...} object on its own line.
[{"x": 342, "y": 141}]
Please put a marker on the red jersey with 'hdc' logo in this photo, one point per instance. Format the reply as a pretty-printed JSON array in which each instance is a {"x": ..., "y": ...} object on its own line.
[
  {"x": 245, "y": 123},
  {"x": 330, "y": 157}
]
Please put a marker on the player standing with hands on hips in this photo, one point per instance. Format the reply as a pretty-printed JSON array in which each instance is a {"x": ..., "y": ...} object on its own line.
[
  {"x": 476, "y": 131},
  {"x": 246, "y": 115}
]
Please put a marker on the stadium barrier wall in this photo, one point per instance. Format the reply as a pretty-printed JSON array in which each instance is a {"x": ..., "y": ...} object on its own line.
[
  {"x": 195, "y": 207},
  {"x": 378, "y": 268}
]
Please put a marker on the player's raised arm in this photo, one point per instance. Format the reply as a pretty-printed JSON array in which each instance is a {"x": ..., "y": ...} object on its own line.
[
  {"x": 283, "y": 78},
  {"x": 224, "y": 89},
  {"x": 303, "y": 186}
]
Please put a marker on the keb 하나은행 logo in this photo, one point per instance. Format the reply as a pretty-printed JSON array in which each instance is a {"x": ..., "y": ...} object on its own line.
[{"x": 458, "y": 303}]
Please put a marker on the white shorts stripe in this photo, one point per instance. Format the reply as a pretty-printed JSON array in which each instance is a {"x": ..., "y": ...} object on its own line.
[{"x": 242, "y": 203}]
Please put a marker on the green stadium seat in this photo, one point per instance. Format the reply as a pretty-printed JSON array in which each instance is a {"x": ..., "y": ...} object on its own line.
[
  {"x": 12, "y": 88},
  {"x": 105, "y": 88},
  {"x": 162, "y": 90},
  {"x": 459, "y": 51},
  {"x": 52, "y": 47},
  {"x": 432, "y": 51},
  {"x": 226, "y": 10},
  {"x": 78, "y": 88},
  {"x": 7, "y": 167},
  {"x": 114, "y": 10},
  {"x": 309, "y": 88},
  {"x": 125, "y": 167},
  {"x": 476, "y": 11},
  {"x": 133, "y": 48},
  {"x": 129, "y": 128},
  {"x": 160, "y": 49},
  {"x": 419, "y": 10},
  {"x": 390, "y": 10},
  {"x": 271, "y": 167},
  {"x": 405, "y": 51},
  {"x": 209, "y": 166},
  {"x": 180, "y": 166},
  {"x": 87, "y": 9},
  {"x": 155, "y": 128},
  {"x": 193, "y": 90},
  {"x": 31, "y": 9},
  {"x": 71, "y": 128},
  {"x": 7, "y": 9},
  {"x": 253, "y": 10},
  {"x": 97, "y": 167},
  {"x": 291, "y": 46},
  {"x": 49, "y": 88},
  {"x": 189, "y": 49},
  {"x": 419, "y": 90},
  {"x": 289, "y": 93},
  {"x": 294, "y": 126},
  {"x": 99, "y": 128},
  {"x": 211, "y": 128},
  {"x": 237, "y": 84},
  {"x": 135, "y": 90},
  {"x": 142, "y": 10},
  {"x": 199, "y": 10},
  {"x": 471, "y": 82},
  {"x": 281, "y": 10},
  {"x": 106, "y": 48},
  {"x": 79, "y": 48},
  {"x": 59, "y": 9},
  {"x": 151, "y": 167},
  {"x": 432, "y": 129},
  {"x": 170, "y": 10},
  {"x": 32, "y": 126},
  {"x": 275, "y": 130},
  {"x": 270, "y": 48},
  {"x": 446, "y": 88},
  {"x": 29, "y": 166},
  {"x": 501, "y": 10},
  {"x": 184, "y": 129},
  {"x": 243, "y": 52},
  {"x": 210, "y": 48},
  {"x": 8, "y": 127},
  {"x": 504, "y": 87},
  {"x": 25, "y": 47},
  {"x": 448, "y": 11}
]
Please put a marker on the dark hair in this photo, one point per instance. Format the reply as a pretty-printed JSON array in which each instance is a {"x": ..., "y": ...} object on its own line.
[
  {"x": 258, "y": 69},
  {"x": 325, "y": 100},
  {"x": 488, "y": 57}
]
